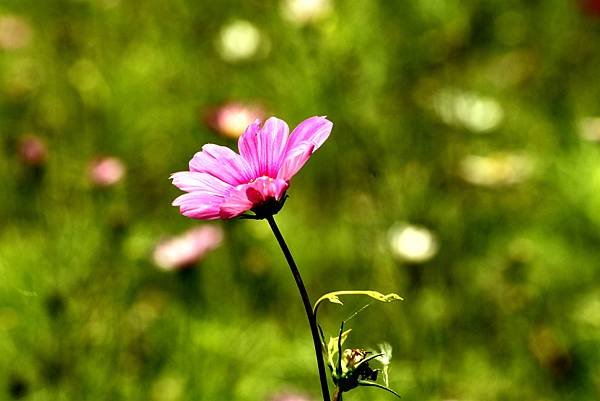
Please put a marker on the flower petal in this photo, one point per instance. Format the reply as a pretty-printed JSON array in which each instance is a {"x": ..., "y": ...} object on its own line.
[
  {"x": 294, "y": 160},
  {"x": 235, "y": 204},
  {"x": 191, "y": 181},
  {"x": 274, "y": 135},
  {"x": 265, "y": 188},
  {"x": 314, "y": 130},
  {"x": 223, "y": 163},
  {"x": 199, "y": 205},
  {"x": 248, "y": 146},
  {"x": 263, "y": 147}
]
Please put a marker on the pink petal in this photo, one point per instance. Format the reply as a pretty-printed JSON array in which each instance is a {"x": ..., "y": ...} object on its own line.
[
  {"x": 223, "y": 163},
  {"x": 235, "y": 204},
  {"x": 294, "y": 160},
  {"x": 191, "y": 181},
  {"x": 265, "y": 188},
  {"x": 263, "y": 147},
  {"x": 314, "y": 130},
  {"x": 199, "y": 205},
  {"x": 274, "y": 135},
  {"x": 269, "y": 188},
  {"x": 248, "y": 146}
]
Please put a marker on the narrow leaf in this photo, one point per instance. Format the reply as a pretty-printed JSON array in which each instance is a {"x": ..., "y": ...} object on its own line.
[
  {"x": 333, "y": 297},
  {"x": 368, "y": 383}
]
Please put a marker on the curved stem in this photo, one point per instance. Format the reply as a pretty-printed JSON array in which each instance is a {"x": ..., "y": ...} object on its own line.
[{"x": 312, "y": 321}]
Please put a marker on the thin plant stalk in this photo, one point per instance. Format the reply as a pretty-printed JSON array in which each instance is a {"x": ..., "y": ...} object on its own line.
[
  {"x": 337, "y": 394},
  {"x": 312, "y": 320}
]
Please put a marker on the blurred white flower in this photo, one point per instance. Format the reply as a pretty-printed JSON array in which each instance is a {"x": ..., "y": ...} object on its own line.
[
  {"x": 232, "y": 119},
  {"x": 385, "y": 359},
  {"x": 15, "y": 32},
  {"x": 239, "y": 40},
  {"x": 412, "y": 243},
  {"x": 589, "y": 129},
  {"x": 475, "y": 113},
  {"x": 497, "y": 170},
  {"x": 106, "y": 171},
  {"x": 305, "y": 11},
  {"x": 183, "y": 251}
]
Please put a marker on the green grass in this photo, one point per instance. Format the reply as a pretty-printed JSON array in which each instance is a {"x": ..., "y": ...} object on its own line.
[{"x": 508, "y": 308}]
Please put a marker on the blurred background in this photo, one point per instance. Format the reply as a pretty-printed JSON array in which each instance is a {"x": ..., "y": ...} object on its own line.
[{"x": 463, "y": 172}]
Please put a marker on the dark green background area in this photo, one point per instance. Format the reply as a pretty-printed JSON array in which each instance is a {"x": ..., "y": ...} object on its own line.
[{"x": 508, "y": 309}]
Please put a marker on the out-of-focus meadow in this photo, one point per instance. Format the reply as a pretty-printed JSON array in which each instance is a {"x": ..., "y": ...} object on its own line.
[{"x": 463, "y": 172}]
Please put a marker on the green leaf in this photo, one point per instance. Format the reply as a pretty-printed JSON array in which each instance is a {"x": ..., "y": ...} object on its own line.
[
  {"x": 368, "y": 383},
  {"x": 333, "y": 297},
  {"x": 333, "y": 347}
]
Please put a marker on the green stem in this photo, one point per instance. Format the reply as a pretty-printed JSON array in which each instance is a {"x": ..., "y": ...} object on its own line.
[{"x": 312, "y": 321}]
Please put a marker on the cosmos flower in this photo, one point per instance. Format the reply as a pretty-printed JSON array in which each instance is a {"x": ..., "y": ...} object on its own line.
[
  {"x": 231, "y": 119},
  {"x": 289, "y": 397},
  {"x": 32, "y": 150},
  {"x": 496, "y": 170},
  {"x": 183, "y": 251},
  {"x": 476, "y": 113},
  {"x": 239, "y": 41},
  {"x": 305, "y": 11},
  {"x": 106, "y": 171},
  {"x": 412, "y": 243},
  {"x": 224, "y": 184}
]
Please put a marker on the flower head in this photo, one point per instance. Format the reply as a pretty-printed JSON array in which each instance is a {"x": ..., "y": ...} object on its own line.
[
  {"x": 224, "y": 184},
  {"x": 412, "y": 243},
  {"x": 184, "y": 250},
  {"x": 238, "y": 41},
  {"x": 289, "y": 397},
  {"x": 231, "y": 119},
  {"x": 106, "y": 171},
  {"x": 305, "y": 11},
  {"x": 32, "y": 150}
]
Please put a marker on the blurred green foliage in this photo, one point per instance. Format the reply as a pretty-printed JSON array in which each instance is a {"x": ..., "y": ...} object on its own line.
[{"x": 430, "y": 100}]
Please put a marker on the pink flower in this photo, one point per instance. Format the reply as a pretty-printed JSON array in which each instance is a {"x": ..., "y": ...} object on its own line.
[
  {"x": 224, "y": 184},
  {"x": 289, "y": 397},
  {"x": 231, "y": 119},
  {"x": 183, "y": 251},
  {"x": 32, "y": 150},
  {"x": 106, "y": 171}
]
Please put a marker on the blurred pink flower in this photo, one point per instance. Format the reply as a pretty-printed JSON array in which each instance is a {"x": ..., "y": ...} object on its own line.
[
  {"x": 289, "y": 397},
  {"x": 183, "y": 251},
  {"x": 106, "y": 171},
  {"x": 224, "y": 184},
  {"x": 231, "y": 119},
  {"x": 32, "y": 150}
]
